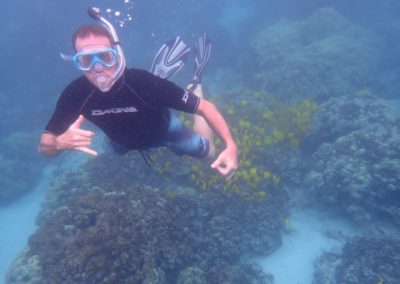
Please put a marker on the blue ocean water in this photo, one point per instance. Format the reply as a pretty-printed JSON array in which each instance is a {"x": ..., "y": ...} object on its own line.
[{"x": 315, "y": 49}]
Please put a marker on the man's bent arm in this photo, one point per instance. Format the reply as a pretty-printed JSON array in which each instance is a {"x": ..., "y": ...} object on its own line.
[
  {"x": 48, "y": 145},
  {"x": 74, "y": 138},
  {"x": 227, "y": 161},
  {"x": 216, "y": 121}
]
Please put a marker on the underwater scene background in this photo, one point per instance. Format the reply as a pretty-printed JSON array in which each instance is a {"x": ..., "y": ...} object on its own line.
[{"x": 310, "y": 90}]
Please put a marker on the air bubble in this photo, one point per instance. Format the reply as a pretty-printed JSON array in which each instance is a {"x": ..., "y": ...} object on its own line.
[{"x": 122, "y": 16}]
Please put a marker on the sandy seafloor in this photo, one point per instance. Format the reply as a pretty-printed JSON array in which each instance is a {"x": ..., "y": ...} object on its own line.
[
  {"x": 17, "y": 220},
  {"x": 301, "y": 246}
]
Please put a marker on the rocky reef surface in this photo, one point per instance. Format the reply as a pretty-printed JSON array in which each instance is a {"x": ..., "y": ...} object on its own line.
[
  {"x": 314, "y": 57},
  {"x": 355, "y": 164},
  {"x": 351, "y": 166},
  {"x": 116, "y": 222},
  {"x": 362, "y": 260}
]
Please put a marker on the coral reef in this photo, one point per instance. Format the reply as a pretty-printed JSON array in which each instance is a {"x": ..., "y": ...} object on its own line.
[
  {"x": 265, "y": 129},
  {"x": 111, "y": 223},
  {"x": 355, "y": 167},
  {"x": 362, "y": 260},
  {"x": 25, "y": 269},
  {"x": 319, "y": 57}
]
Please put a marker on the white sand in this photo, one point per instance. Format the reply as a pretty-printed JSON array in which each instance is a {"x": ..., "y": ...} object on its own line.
[
  {"x": 293, "y": 262},
  {"x": 17, "y": 223}
]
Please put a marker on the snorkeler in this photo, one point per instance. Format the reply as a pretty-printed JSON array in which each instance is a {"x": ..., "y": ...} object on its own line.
[{"x": 132, "y": 106}]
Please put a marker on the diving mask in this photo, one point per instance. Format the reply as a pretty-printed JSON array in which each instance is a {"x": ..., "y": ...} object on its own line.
[{"x": 86, "y": 60}]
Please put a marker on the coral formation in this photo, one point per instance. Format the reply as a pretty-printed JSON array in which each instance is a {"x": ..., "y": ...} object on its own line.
[
  {"x": 265, "y": 128},
  {"x": 362, "y": 260},
  {"x": 355, "y": 167},
  {"x": 112, "y": 224},
  {"x": 319, "y": 57},
  {"x": 25, "y": 269}
]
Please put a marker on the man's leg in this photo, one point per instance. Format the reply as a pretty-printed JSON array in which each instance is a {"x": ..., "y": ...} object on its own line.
[
  {"x": 201, "y": 126},
  {"x": 183, "y": 140}
]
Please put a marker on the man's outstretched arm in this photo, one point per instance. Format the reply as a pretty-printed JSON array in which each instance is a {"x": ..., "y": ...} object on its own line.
[
  {"x": 73, "y": 138},
  {"x": 227, "y": 161}
]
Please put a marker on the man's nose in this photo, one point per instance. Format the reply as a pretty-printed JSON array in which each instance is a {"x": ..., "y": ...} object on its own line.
[{"x": 98, "y": 67}]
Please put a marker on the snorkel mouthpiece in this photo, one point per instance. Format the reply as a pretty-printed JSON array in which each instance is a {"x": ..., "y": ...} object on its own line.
[
  {"x": 102, "y": 84},
  {"x": 95, "y": 14}
]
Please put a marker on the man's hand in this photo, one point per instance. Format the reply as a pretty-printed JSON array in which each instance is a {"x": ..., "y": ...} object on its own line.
[
  {"x": 226, "y": 163},
  {"x": 76, "y": 138}
]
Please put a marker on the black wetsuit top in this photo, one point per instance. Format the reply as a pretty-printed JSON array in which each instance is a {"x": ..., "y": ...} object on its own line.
[{"x": 134, "y": 113}]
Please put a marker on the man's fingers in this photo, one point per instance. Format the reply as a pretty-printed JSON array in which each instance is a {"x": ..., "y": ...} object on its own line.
[
  {"x": 86, "y": 133},
  {"x": 227, "y": 172},
  {"x": 217, "y": 163},
  {"x": 80, "y": 139},
  {"x": 86, "y": 150},
  {"x": 78, "y": 122},
  {"x": 225, "y": 168},
  {"x": 82, "y": 143}
]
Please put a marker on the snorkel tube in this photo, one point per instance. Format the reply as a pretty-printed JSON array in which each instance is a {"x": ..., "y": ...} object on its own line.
[{"x": 95, "y": 14}]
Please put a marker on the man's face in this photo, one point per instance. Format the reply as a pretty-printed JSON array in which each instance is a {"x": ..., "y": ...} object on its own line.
[{"x": 105, "y": 74}]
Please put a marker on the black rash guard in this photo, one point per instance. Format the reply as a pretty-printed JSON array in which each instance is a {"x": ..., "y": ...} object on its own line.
[{"x": 134, "y": 113}]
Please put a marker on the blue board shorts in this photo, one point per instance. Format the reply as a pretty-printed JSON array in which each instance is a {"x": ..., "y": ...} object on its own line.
[{"x": 180, "y": 139}]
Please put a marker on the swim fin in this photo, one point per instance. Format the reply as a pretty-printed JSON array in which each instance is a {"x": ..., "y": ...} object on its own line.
[
  {"x": 202, "y": 53},
  {"x": 170, "y": 58}
]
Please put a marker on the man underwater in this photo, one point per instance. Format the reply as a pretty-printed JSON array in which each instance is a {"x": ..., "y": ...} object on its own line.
[{"x": 132, "y": 106}]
